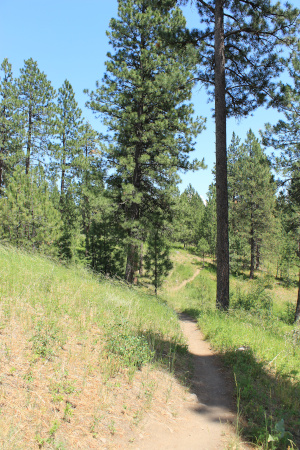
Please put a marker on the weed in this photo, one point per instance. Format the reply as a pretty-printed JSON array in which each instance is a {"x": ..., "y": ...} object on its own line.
[
  {"x": 132, "y": 351},
  {"x": 137, "y": 417},
  {"x": 28, "y": 377},
  {"x": 168, "y": 393},
  {"x": 50, "y": 439},
  {"x": 46, "y": 339},
  {"x": 112, "y": 427},
  {"x": 288, "y": 314},
  {"x": 7, "y": 351},
  {"x": 279, "y": 437},
  {"x": 54, "y": 428},
  {"x": 68, "y": 412},
  {"x": 94, "y": 425},
  {"x": 59, "y": 389},
  {"x": 254, "y": 299}
]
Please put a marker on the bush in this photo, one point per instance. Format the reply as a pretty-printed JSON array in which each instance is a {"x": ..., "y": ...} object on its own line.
[
  {"x": 254, "y": 299},
  {"x": 132, "y": 350}
]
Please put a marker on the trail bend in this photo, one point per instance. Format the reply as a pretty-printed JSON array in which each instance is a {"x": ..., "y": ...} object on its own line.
[{"x": 185, "y": 282}]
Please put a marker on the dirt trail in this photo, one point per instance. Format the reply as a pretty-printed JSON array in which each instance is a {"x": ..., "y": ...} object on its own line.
[
  {"x": 181, "y": 285},
  {"x": 206, "y": 417}
]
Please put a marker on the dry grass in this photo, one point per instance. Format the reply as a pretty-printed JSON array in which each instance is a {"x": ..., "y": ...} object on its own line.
[{"x": 60, "y": 386}]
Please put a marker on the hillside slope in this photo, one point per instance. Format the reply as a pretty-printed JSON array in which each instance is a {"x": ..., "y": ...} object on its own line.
[{"x": 83, "y": 359}]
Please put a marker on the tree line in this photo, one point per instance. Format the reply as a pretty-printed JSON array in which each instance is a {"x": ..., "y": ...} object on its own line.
[{"x": 112, "y": 199}]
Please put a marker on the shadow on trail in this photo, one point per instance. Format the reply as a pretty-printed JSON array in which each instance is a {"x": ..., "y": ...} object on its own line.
[
  {"x": 203, "y": 374},
  {"x": 209, "y": 381},
  {"x": 210, "y": 378}
]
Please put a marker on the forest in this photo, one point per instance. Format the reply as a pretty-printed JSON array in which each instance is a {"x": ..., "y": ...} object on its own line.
[
  {"x": 104, "y": 260},
  {"x": 111, "y": 200}
]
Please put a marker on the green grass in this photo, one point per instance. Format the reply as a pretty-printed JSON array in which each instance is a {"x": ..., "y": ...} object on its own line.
[
  {"x": 56, "y": 291},
  {"x": 75, "y": 348},
  {"x": 267, "y": 371}
]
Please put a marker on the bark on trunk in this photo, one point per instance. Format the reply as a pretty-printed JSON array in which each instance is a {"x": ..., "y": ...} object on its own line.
[
  {"x": 141, "y": 260},
  {"x": 297, "y": 312},
  {"x": 62, "y": 182},
  {"x": 221, "y": 162},
  {"x": 252, "y": 258},
  {"x": 63, "y": 164},
  {"x": 27, "y": 163},
  {"x": 1, "y": 176},
  {"x": 257, "y": 263},
  {"x": 131, "y": 264}
]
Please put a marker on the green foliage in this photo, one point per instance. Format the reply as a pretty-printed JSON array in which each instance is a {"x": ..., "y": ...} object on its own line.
[
  {"x": 157, "y": 259},
  {"x": 288, "y": 314},
  {"x": 285, "y": 137},
  {"x": 28, "y": 216},
  {"x": 46, "y": 339},
  {"x": 208, "y": 227},
  {"x": 132, "y": 350},
  {"x": 10, "y": 125},
  {"x": 68, "y": 122},
  {"x": 71, "y": 242},
  {"x": 251, "y": 203},
  {"x": 150, "y": 131},
  {"x": 189, "y": 215},
  {"x": 254, "y": 35},
  {"x": 203, "y": 247},
  {"x": 255, "y": 299},
  {"x": 280, "y": 436},
  {"x": 36, "y": 99}
]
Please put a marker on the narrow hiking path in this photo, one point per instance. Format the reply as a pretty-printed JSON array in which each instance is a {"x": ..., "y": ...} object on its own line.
[
  {"x": 206, "y": 417},
  {"x": 185, "y": 282}
]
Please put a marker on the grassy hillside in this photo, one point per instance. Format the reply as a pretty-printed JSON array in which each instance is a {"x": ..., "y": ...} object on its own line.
[
  {"x": 82, "y": 358},
  {"x": 267, "y": 366}
]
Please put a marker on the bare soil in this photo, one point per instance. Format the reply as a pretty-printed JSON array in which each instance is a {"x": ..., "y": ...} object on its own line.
[{"x": 206, "y": 416}]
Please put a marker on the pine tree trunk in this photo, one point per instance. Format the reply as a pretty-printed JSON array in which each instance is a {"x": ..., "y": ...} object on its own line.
[
  {"x": 1, "y": 176},
  {"x": 252, "y": 258},
  {"x": 155, "y": 265},
  {"x": 141, "y": 261},
  {"x": 27, "y": 163},
  {"x": 63, "y": 170},
  {"x": 257, "y": 263},
  {"x": 131, "y": 263},
  {"x": 297, "y": 312},
  {"x": 221, "y": 162}
]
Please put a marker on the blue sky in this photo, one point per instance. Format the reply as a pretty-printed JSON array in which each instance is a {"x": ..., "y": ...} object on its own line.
[{"x": 68, "y": 40}]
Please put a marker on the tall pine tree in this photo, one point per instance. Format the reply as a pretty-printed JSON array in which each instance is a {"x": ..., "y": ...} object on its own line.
[
  {"x": 253, "y": 197},
  {"x": 144, "y": 100},
  {"x": 36, "y": 97},
  {"x": 239, "y": 48},
  {"x": 285, "y": 137},
  {"x": 10, "y": 125}
]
